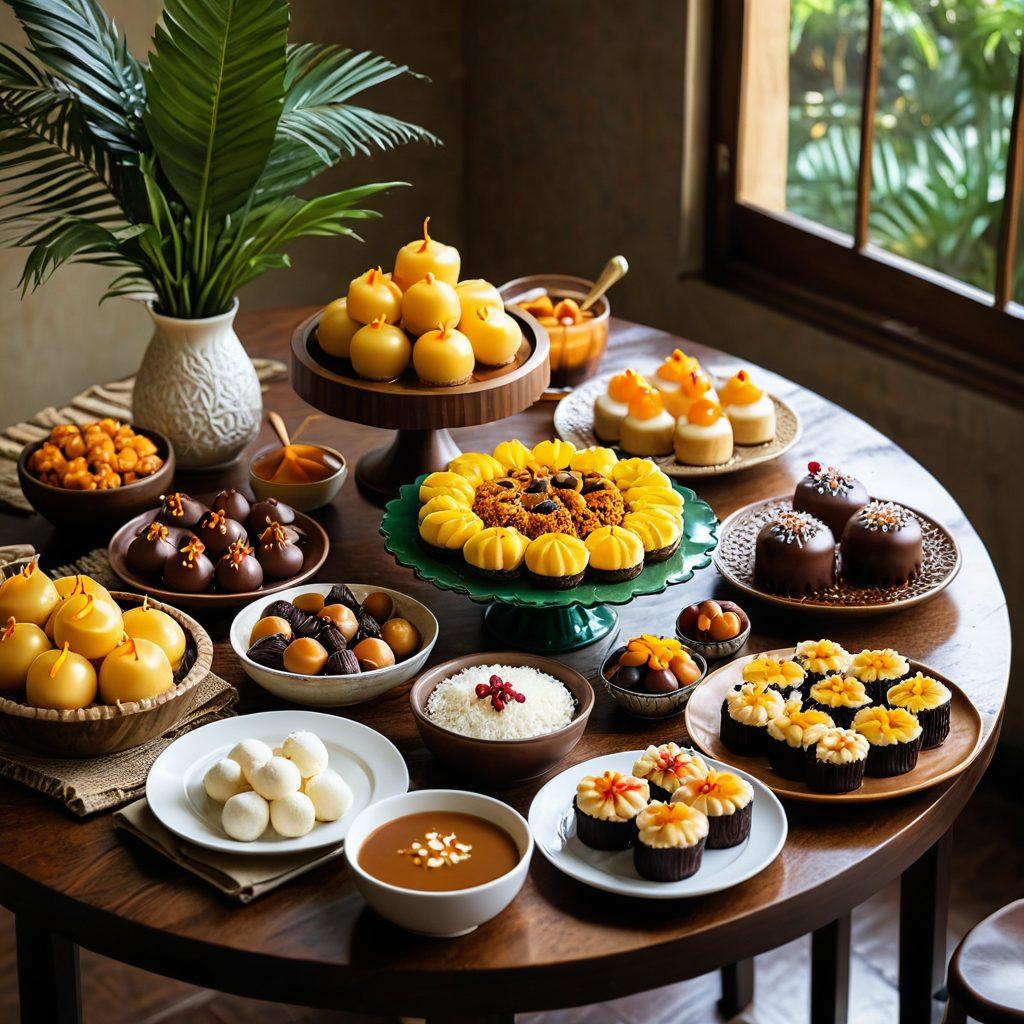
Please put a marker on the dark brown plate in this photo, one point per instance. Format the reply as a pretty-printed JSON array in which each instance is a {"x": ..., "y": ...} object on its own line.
[
  {"x": 703, "y": 718},
  {"x": 314, "y": 545}
]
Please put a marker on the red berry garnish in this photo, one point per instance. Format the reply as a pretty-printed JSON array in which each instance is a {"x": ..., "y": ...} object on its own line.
[{"x": 814, "y": 467}]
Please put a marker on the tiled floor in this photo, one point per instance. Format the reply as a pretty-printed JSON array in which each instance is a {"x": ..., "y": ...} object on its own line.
[{"x": 988, "y": 871}]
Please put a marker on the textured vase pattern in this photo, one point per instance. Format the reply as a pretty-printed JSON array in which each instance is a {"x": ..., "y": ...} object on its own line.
[{"x": 197, "y": 386}]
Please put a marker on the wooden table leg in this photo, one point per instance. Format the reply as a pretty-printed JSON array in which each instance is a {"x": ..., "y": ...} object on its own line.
[
  {"x": 737, "y": 988},
  {"x": 924, "y": 913},
  {"x": 830, "y": 972},
  {"x": 49, "y": 986}
]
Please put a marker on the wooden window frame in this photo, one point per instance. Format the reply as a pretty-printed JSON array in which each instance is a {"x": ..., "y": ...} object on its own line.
[{"x": 842, "y": 283}]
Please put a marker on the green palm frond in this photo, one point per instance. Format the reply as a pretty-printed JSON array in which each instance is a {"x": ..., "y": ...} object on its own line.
[{"x": 319, "y": 126}]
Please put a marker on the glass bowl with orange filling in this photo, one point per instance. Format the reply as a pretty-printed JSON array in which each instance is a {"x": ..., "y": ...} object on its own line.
[{"x": 578, "y": 337}]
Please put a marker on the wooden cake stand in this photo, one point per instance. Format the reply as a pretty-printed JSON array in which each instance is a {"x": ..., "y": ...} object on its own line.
[{"x": 420, "y": 414}]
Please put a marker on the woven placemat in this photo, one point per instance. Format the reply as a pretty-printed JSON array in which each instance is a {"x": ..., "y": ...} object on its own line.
[
  {"x": 99, "y": 401},
  {"x": 88, "y": 785}
]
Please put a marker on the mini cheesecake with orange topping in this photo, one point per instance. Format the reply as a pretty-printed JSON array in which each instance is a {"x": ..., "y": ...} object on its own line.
[
  {"x": 676, "y": 368},
  {"x": 894, "y": 736},
  {"x": 751, "y": 412},
  {"x": 612, "y": 407},
  {"x": 704, "y": 437},
  {"x": 647, "y": 428},
  {"x": 667, "y": 767},
  {"x": 606, "y": 807},
  {"x": 836, "y": 761},
  {"x": 929, "y": 701},
  {"x": 725, "y": 799},
  {"x": 840, "y": 697},
  {"x": 669, "y": 842},
  {"x": 746, "y": 712},
  {"x": 694, "y": 386}
]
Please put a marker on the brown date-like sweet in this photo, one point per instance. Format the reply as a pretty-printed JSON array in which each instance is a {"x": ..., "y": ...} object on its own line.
[
  {"x": 342, "y": 663},
  {"x": 373, "y": 653},
  {"x": 311, "y": 604},
  {"x": 269, "y": 651},
  {"x": 402, "y": 637},
  {"x": 379, "y": 605}
]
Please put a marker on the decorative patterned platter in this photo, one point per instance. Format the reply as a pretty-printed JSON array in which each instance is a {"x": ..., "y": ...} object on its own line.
[
  {"x": 547, "y": 620},
  {"x": 734, "y": 559},
  {"x": 574, "y": 421},
  {"x": 703, "y": 717}
]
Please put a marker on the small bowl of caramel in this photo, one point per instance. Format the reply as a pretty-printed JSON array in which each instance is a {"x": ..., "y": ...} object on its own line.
[
  {"x": 578, "y": 337},
  {"x": 305, "y": 476}
]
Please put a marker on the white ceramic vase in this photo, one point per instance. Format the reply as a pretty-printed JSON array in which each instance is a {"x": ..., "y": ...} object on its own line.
[{"x": 197, "y": 386}]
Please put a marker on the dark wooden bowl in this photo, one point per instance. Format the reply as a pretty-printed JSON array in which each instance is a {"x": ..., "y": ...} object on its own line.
[
  {"x": 97, "y": 510},
  {"x": 501, "y": 762},
  {"x": 315, "y": 545},
  {"x": 108, "y": 728}
]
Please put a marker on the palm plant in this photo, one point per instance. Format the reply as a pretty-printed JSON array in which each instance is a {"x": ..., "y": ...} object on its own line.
[{"x": 180, "y": 174}]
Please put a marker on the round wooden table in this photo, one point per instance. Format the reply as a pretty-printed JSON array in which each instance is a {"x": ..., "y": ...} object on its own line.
[{"x": 560, "y": 944}]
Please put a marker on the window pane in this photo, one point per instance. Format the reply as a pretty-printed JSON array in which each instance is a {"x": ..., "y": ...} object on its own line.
[{"x": 945, "y": 101}]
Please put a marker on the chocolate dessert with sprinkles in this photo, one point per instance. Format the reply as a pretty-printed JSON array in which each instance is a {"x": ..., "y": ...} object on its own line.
[
  {"x": 831, "y": 495},
  {"x": 794, "y": 554},
  {"x": 882, "y": 546}
]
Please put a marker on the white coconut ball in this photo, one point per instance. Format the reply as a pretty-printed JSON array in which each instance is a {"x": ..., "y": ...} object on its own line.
[
  {"x": 224, "y": 779},
  {"x": 330, "y": 794},
  {"x": 306, "y": 751},
  {"x": 250, "y": 753},
  {"x": 275, "y": 778},
  {"x": 293, "y": 815},
  {"x": 245, "y": 816}
]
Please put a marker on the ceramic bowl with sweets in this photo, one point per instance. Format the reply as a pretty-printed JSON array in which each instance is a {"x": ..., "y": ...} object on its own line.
[
  {"x": 333, "y": 645},
  {"x": 501, "y": 717},
  {"x": 85, "y": 672},
  {"x": 94, "y": 476},
  {"x": 304, "y": 476},
  {"x": 714, "y": 629},
  {"x": 652, "y": 676},
  {"x": 578, "y": 337},
  {"x": 220, "y": 552},
  {"x": 439, "y": 862}
]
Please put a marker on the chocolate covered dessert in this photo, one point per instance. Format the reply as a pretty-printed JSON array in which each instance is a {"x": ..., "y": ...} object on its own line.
[
  {"x": 881, "y": 546},
  {"x": 830, "y": 495},
  {"x": 794, "y": 554}
]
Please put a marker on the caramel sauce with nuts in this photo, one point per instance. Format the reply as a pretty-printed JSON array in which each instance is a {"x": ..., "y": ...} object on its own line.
[{"x": 438, "y": 851}]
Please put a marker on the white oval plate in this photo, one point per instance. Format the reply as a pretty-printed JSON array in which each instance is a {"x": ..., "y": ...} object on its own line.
[
  {"x": 553, "y": 824},
  {"x": 366, "y": 760}
]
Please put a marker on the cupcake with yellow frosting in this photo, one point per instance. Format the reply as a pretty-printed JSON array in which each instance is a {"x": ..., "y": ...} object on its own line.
[
  {"x": 556, "y": 561},
  {"x": 929, "y": 701},
  {"x": 878, "y": 671},
  {"x": 746, "y": 712},
  {"x": 780, "y": 674},
  {"x": 791, "y": 735},
  {"x": 751, "y": 412},
  {"x": 669, "y": 842},
  {"x": 448, "y": 530},
  {"x": 725, "y": 799},
  {"x": 616, "y": 554},
  {"x": 836, "y": 761},
  {"x": 666, "y": 768},
  {"x": 612, "y": 406},
  {"x": 820, "y": 658},
  {"x": 647, "y": 428},
  {"x": 894, "y": 737},
  {"x": 606, "y": 807},
  {"x": 496, "y": 552},
  {"x": 659, "y": 531},
  {"x": 840, "y": 697}
]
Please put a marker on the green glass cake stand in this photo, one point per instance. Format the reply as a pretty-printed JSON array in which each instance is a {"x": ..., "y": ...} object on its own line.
[{"x": 530, "y": 618}]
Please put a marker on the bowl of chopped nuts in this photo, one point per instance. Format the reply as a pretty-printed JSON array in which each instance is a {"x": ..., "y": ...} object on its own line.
[{"x": 95, "y": 476}]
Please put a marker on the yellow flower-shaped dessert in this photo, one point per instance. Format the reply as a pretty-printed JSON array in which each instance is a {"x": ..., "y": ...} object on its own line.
[
  {"x": 594, "y": 460},
  {"x": 822, "y": 657},
  {"x": 918, "y": 693},
  {"x": 496, "y": 551},
  {"x": 659, "y": 531},
  {"x": 647, "y": 495},
  {"x": 554, "y": 454},
  {"x": 886, "y": 726},
  {"x": 447, "y": 483},
  {"x": 783, "y": 675},
  {"x": 629, "y": 473},
  {"x": 556, "y": 560},
  {"x": 715, "y": 793},
  {"x": 440, "y": 502},
  {"x": 754, "y": 704},
  {"x": 450, "y": 529},
  {"x": 477, "y": 467},
  {"x": 616, "y": 554},
  {"x": 513, "y": 455}
]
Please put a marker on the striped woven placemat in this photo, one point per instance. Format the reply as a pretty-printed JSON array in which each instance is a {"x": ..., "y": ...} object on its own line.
[{"x": 95, "y": 403}]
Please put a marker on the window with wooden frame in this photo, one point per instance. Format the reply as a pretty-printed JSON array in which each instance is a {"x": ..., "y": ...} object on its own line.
[{"x": 865, "y": 173}]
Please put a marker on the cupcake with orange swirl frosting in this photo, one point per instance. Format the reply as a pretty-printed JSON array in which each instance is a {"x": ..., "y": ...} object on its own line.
[
  {"x": 666, "y": 768},
  {"x": 647, "y": 428},
  {"x": 725, "y": 799},
  {"x": 669, "y": 841},
  {"x": 606, "y": 807},
  {"x": 746, "y": 712},
  {"x": 836, "y": 761},
  {"x": 780, "y": 674},
  {"x": 612, "y": 407},
  {"x": 751, "y": 412},
  {"x": 791, "y": 735},
  {"x": 894, "y": 736},
  {"x": 820, "y": 658},
  {"x": 930, "y": 701},
  {"x": 704, "y": 436},
  {"x": 878, "y": 671},
  {"x": 840, "y": 697}
]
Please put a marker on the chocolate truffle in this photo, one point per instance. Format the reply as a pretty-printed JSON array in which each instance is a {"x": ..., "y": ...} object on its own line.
[
  {"x": 286, "y": 610},
  {"x": 794, "y": 554},
  {"x": 342, "y": 663},
  {"x": 233, "y": 504},
  {"x": 180, "y": 510},
  {"x": 149, "y": 552},
  {"x": 269, "y": 650},
  {"x": 340, "y": 594},
  {"x": 189, "y": 570},
  {"x": 238, "y": 571},
  {"x": 830, "y": 495},
  {"x": 881, "y": 546},
  {"x": 263, "y": 513},
  {"x": 279, "y": 557},
  {"x": 218, "y": 532}
]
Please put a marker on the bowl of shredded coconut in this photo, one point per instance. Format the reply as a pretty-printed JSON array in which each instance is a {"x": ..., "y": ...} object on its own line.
[{"x": 501, "y": 717}]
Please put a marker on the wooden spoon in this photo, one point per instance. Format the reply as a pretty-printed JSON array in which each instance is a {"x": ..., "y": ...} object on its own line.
[
  {"x": 614, "y": 270},
  {"x": 279, "y": 428}
]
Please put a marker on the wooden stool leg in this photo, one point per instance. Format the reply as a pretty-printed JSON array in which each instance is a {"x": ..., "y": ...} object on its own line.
[
  {"x": 954, "y": 1012},
  {"x": 924, "y": 913},
  {"x": 49, "y": 986},
  {"x": 830, "y": 972},
  {"x": 737, "y": 988}
]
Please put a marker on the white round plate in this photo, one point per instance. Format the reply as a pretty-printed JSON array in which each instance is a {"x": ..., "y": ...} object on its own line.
[
  {"x": 366, "y": 760},
  {"x": 553, "y": 824}
]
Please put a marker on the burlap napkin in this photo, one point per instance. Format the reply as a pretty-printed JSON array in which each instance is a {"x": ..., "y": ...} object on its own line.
[
  {"x": 114, "y": 400},
  {"x": 243, "y": 878}
]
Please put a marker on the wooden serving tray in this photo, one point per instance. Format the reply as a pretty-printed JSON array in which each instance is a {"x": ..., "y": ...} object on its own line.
[{"x": 703, "y": 717}]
